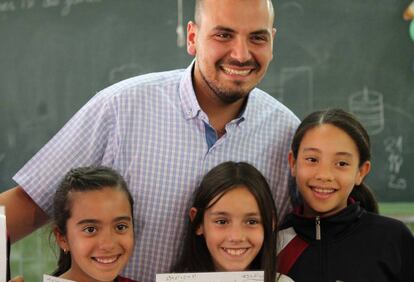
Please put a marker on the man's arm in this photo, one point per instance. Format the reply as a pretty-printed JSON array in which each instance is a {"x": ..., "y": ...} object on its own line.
[{"x": 23, "y": 215}]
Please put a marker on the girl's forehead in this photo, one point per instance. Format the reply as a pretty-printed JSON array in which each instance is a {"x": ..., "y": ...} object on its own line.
[
  {"x": 326, "y": 130},
  {"x": 235, "y": 197},
  {"x": 104, "y": 204},
  {"x": 97, "y": 196},
  {"x": 93, "y": 190},
  {"x": 230, "y": 190},
  {"x": 328, "y": 137}
]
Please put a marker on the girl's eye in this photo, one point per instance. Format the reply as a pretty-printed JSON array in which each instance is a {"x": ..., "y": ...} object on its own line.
[
  {"x": 311, "y": 159},
  {"x": 253, "y": 221},
  {"x": 90, "y": 230},
  {"x": 343, "y": 163},
  {"x": 122, "y": 227},
  {"x": 221, "y": 221}
]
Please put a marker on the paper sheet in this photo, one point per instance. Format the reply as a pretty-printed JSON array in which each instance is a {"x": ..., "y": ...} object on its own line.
[
  {"x": 48, "y": 278},
  {"x": 3, "y": 245},
  {"x": 242, "y": 276}
]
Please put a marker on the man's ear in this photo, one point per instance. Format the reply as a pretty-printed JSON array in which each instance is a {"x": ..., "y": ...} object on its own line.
[
  {"x": 192, "y": 214},
  {"x": 61, "y": 239},
  {"x": 362, "y": 172},
  {"x": 191, "y": 38},
  {"x": 292, "y": 163}
]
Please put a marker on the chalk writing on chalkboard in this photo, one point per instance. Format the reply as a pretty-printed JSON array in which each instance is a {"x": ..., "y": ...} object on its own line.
[
  {"x": 394, "y": 148},
  {"x": 64, "y": 5}
]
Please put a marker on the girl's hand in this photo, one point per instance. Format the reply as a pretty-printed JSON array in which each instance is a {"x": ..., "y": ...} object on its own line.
[{"x": 17, "y": 279}]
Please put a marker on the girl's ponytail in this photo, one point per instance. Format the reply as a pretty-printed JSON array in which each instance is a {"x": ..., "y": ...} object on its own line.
[
  {"x": 64, "y": 263},
  {"x": 363, "y": 194}
]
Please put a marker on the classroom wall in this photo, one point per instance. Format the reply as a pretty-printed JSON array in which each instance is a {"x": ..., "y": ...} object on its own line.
[{"x": 56, "y": 54}]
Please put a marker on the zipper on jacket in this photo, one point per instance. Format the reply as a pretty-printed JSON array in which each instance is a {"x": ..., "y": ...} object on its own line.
[{"x": 318, "y": 228}]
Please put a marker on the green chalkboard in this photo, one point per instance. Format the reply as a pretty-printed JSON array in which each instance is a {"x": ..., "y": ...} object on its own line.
[{"x": 56, "y": 54}]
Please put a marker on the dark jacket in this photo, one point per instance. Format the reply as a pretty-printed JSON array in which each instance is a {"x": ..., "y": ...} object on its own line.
[{"x": 354, "y": 245}]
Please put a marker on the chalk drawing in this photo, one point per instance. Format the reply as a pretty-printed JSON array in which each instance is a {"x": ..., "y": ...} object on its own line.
[
  {"x": 11, "y": 140},
  {"x": 291, "y": 8},
  {"x": 124, "y": 71},
  {"x": 8, "y": 6},
  {"x": 64, "y": 5},
  {"x": 27, "y": 4},
  {"x": 368, "y": 106},
  {"x": 407, "y": 115},
  {"x": 394, "y": 144},
  {"x": 394, "y": 148},
  {"x": 297, "y": 85},
  {"x": 68, "y": 4},
  {"x": 180, "y": 25},
  {"x": 50, "y": 3},
  {"x": 397, "y": 183}
]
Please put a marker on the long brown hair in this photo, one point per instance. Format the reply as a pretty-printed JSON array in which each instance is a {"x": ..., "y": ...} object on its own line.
[{"x": 195, "y": 256}]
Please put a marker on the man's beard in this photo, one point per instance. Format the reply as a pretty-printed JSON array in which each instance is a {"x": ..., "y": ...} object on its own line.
[{"x": 228, "y": 96}]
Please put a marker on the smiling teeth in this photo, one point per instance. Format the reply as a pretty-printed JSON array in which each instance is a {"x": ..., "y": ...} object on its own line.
[
  {"x": 236, "y": 72},
  {"x": 324, "y": 190},
  {"x": 235, "y": 252},
  {"x": 106, "y": 260}
]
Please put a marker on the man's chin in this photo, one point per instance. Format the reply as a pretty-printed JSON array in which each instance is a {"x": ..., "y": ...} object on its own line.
[{"x": 231, "y": 97}]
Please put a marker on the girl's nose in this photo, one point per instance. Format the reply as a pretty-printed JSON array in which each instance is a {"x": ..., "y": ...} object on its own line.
[
  {"x": 107, "y": 240},
  {"x": 324, "y": 173},
  {"x": 236, "y": 234}
]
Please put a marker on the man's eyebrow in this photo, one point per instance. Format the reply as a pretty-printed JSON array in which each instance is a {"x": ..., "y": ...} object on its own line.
[
  {"x": 230, "y": 30},
  {"x": 261, "y": 32},
  {"x": 223, "y": 28}
]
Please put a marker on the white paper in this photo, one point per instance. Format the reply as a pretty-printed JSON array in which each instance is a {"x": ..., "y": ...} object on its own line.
[
  {"x": 242, "y": 276},
  {"x": 48, "y": 278},
  {"x": 3, "y": 245}
]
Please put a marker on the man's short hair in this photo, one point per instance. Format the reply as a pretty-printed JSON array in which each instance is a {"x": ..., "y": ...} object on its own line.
[{"x": 198, "y": 4}]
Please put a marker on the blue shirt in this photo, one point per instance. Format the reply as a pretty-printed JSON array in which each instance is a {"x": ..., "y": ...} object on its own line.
[{"x": 152, "y": 130}]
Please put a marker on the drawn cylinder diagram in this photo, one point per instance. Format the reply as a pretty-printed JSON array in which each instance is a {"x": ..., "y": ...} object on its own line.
[{"x": 368, "y": 106}]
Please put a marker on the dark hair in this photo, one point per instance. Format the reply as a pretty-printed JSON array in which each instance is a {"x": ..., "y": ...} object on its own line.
[
  {"x": 198, "y": 8},
  {"x": 81, "y": 179},
  {"x": 195, "y": 256},
  {"x": 349, "y": 124}
]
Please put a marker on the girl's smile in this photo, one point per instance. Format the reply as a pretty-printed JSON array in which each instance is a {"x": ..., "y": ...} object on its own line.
[
  {"x": 327, "y": 169},
  {"x": 99, "y": 234},
  {"x": 233, "y": 230}
]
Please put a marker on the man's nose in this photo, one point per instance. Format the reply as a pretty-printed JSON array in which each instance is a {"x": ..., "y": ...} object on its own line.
[{"x": 240, "y": 50}]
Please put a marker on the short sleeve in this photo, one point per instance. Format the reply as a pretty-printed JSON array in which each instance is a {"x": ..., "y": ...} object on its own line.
[{"x": 88, "y": 138}]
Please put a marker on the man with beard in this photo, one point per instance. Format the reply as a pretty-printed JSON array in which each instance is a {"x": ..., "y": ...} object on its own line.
[{"x": 164, "y": 131}]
